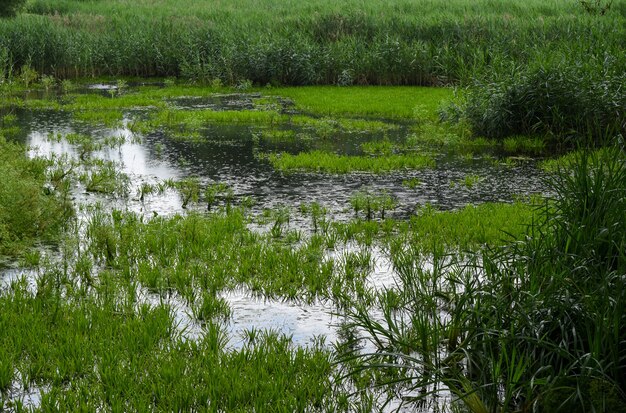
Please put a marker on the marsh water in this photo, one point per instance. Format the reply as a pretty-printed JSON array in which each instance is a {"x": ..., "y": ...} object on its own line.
[
  {"x": 229, "y": 153},
  {"x": 234, "y": 154}
]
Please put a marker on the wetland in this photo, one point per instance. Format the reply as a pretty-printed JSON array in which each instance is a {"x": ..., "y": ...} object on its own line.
[{"x": 304, "y": 206}]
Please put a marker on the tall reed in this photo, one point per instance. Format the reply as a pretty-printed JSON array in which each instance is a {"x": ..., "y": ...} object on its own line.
[{"x": 537, "y": 325}]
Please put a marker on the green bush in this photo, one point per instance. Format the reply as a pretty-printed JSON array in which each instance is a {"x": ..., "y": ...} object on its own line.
[
  {"x": 563, "y": 100},
  {"x": 536, "y": 325}
]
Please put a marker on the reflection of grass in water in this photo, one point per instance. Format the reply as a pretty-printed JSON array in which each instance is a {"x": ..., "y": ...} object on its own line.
[{"x": 317, "y": 161}]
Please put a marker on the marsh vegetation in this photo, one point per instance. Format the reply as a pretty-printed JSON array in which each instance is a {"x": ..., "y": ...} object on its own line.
[{"x": 214, "y": 239}]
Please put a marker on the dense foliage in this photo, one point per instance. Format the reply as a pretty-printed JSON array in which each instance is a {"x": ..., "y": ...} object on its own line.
[
  {"x": 564, "y": 99},
  {"x": 29, "y": 210},
  {"x": 538, "y": 325},
  {"x": 8, "y": 8},
  {"x": 296, "y": 43}
]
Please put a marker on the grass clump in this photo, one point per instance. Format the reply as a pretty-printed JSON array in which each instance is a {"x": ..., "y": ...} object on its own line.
[
  {"x": 469, "y": 227},
  {"x": 380, "y": 102},
  {"x": 30, "y": 209},
  {"x": 369, "y": 203},
  {"x": 568, "y": 161},
  {"x": 318, "y": 161},
  {"x": 104, "y": 177},
  {"x": 209, "y": 253},
  {"x": 567, "y": 100}
]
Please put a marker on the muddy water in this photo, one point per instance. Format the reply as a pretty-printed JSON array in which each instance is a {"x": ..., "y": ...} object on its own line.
[{"x": 229, "y": 154}]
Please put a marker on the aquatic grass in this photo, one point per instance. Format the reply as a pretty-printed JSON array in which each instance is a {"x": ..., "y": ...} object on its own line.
[
  {"x": 30, "y": 210},
  {"x": 469, "y": 181},
  {"x": 104, "y": 177},
  {"x": 93, "y": 350},
  {"x": 447, "y": 137},
  {"x": 470, "y": 227},
  {"x": 192, "y": 120},
  {"x": 327, "y": 127},
  {"x": 568, "y": 160},
  {"x": 95, "y": 102},
  {"x": 318, "y": 161},
  {"x": 371, "y": 203},
  {"x": 318, "y": 215},
  {"x": 379, "y": 102},
  {"x": 277, "y": 135},
  {"x": 525, "y": 144},
  {"x": 216, "y": 192},
  {"x": 534, "y": 324},
  {"x": 211, "y": 307},
  {"x": 211, "y": 252},
  {"x": 412, "y": 183},
  {"x": 109, "y": 118},
  {"x": 85, "y": 145},
  {"x": 378, "y": 148}
]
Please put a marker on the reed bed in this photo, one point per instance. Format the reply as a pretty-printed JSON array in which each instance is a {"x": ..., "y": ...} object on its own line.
[{"x": 288, "y": 43}]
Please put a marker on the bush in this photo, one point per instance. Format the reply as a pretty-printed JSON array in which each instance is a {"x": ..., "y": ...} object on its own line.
[
  {"x": 9, "y": 8},
  {"x": 563, "y": 100}
]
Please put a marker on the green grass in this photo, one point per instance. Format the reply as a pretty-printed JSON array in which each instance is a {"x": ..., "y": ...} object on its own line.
[
  {"x": 470, "y": 227},
  {"x": 567, "y": 161},
  {"x": 533, "y": 325},
  {"x": 94, "y": 351},
  {"x": 318, "y": 161},
  {"x": 30, "y": 211},
  {"x": 289, "y": 43},
  {"x": 378, "y": 102}
]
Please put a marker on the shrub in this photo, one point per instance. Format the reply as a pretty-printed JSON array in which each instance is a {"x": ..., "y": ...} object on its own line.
[
  {"x": 563, "y": 100},
  {"x": 537, "y": 325}
]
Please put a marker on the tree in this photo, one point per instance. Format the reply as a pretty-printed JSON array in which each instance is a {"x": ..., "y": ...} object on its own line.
[{"x": 9, "y": 8}]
